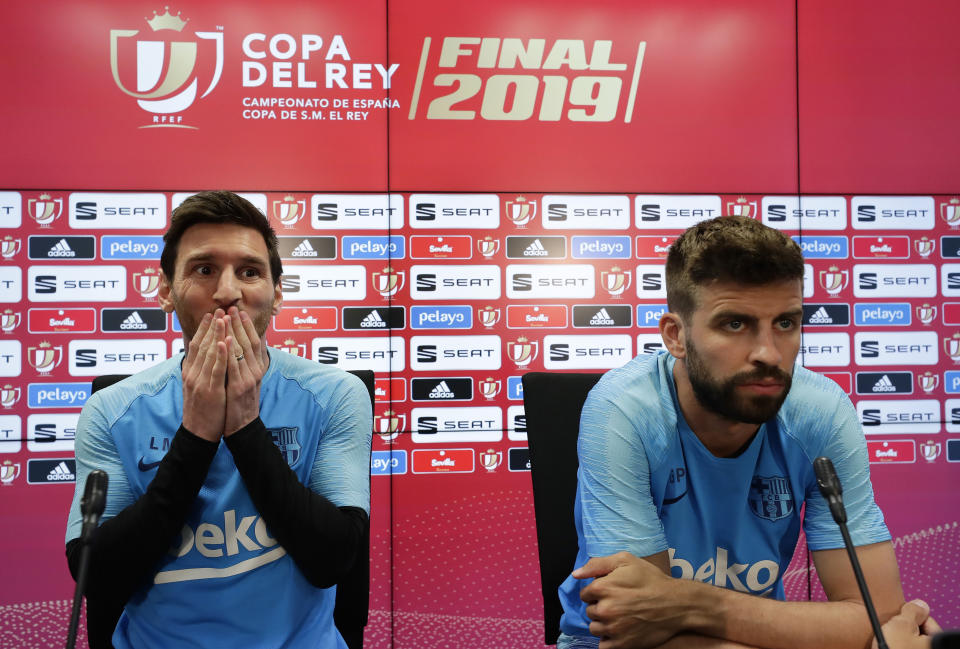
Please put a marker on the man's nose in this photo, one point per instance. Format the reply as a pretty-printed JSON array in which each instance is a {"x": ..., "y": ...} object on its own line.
[
  {"x": 765, "y": 349},
  {"x": 228, "y": 289}
]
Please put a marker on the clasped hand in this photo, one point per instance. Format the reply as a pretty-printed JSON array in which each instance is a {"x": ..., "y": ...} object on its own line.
[
  {"x": 631, "y": 602},
  {"x": 224, "y": 365}
]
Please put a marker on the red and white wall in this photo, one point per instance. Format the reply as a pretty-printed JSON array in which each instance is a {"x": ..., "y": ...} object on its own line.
[{"x": 466, "y": 192}]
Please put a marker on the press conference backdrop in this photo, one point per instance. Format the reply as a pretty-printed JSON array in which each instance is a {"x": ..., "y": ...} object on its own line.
[{"x": 465, "y": 193}]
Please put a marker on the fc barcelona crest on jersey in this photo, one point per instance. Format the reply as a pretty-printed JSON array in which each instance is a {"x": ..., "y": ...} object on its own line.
[
  {"x": 771, "y": 498},
  {"x": 287, "y": 440}
]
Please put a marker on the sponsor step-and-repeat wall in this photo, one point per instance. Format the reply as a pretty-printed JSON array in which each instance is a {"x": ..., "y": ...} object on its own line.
[{"x": 462, "y": 195}]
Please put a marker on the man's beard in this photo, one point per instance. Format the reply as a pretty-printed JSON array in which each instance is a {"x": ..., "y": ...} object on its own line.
[
  {"x": 261, "y": 319},
  {"x": 720, "y": 397}
]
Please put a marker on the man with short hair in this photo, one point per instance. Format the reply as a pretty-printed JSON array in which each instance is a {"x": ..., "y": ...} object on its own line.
[
  {"x": 695, "y": 465},
  {"x": 238, "y": 475}
]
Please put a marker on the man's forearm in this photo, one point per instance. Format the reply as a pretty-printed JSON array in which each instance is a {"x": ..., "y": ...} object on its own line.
[
  {"x": 774, "y": 624},
  {"x": 126, "y": 548},
  {"x": 321, "y": 538}
]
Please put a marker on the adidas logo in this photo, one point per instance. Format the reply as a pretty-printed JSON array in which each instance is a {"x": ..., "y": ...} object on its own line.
[
  {"x": 304, "y": 250},
  {"x": 61, "y": 249},
  {"x": 441, "y": 391},
  {"x": 820, "y": 316},
  {"x": 61, "y": 473},
  {"x": 373, "y": 320},
  {"x": 133, "y": 321},
  {"x": 535, "y": 249},
  {"x": 884, "y": 385},
  {"x": 601, "y": 318}
]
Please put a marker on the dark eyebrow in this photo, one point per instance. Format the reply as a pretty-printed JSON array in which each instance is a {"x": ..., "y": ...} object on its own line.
[{"x": 248, "y": 260}]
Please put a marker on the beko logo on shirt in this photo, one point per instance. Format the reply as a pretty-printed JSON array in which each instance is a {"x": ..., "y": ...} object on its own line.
[
  {"x": 51, "y": 432},
  {"x": 516, "y": 423},
  {"x": 42, "y": 247},
  {"x": 96, "y": 357},
  {"x": 823, "y": 247},
  {"x": 389, "y": 247},
  {"x": 570, "y": 212},
  {"x": 324, "y": 282},
  {"x": 593, "y": 352},
  {"x": 536, "y": 247},
  {"x": 884, "y": 382},
  {"x": 307, "y": 247},
  {"x": 550, "y": 281},
  {"x": 602, "y": 315},
  {"x": 805, "y": 212},
  {"x": 77, "y": 283},
  {"x": 133, "y": 320},
  {"x": 893, "y": 212},
  {"x": 364, "y": 317},
  {"x": 441, "y": 317},
  {"x": 455, "y": 211},
  {"x": 950, "y": 280},
  {"x": 57, "y": 395},
  {"x": 882, "y": 314},
  {"x": 757, "y": 578},
  {"x": 880, "y": 417},
  {"x": 377, "y": 353},
  {"x": 455, "y": 282},
  {"x": 444, "y": 425},
  {"x": 825, "y": 349},
  {"x": 455, "y": 353},
  {"x": 600, "y": 247},
  {"x": 826, "y": 315},
  {"x": 896, "y": 348},
  {"x": 247, "y": 535},
  {"x": 656, "y": 211},
  {"x": 130, "y": 247},
  {"x": 895, "y": 280},
  {"x": 446, "y": 388},
  {"x": 356, "y": 211},
  {"x": 651, "y": 281},
  {"x": 92, "y": 211}
]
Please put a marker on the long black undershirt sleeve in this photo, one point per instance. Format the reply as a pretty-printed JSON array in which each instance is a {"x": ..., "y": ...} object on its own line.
[
  {"x": 125, "y": 549},
  {"x": 321, "y": 538}
]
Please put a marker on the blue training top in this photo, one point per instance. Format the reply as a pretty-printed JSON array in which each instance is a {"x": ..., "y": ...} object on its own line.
[
  {"x": 226, "y": 582},
  {"x": 646, "y": 484}
]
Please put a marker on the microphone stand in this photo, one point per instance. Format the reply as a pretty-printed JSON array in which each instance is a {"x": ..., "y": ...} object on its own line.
[{"x": 91, "y": 507}]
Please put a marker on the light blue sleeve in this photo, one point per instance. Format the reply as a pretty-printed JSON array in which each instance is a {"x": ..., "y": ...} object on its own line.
[
  {"x": 846, "y": 447},
  {"x": 95, "y": 449},
  {"x": 617, "y": 507},
  {"x": 341, "y": 470}
]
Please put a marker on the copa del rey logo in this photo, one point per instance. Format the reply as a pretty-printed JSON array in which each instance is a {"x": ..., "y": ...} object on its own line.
[
  {"x": 289, "y": 210},
  {"x": 742, "y": 207},
  {"x": 163, "y": 67},
  {"x": 45, "y": 209},
  {"x": 833, "y": 280},
  {"x": 387, "y": 282},
  {"x": 521, "y": 211}
]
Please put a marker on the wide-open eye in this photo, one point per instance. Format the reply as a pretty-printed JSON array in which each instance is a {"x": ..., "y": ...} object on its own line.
[{"x": 250, "y": 273}]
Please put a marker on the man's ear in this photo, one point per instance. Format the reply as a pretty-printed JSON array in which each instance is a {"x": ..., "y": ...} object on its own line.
[
  {"x": 277, "y": 298},
  {"x": 672, "y": 332},
  {"x": 163, "y": 294}
]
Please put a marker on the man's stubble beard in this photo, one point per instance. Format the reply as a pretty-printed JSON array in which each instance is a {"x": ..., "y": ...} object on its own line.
[{"x": 720, "y": 397}]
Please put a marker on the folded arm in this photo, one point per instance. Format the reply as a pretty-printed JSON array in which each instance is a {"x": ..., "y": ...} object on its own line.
[{"x": 634, "y": 603}]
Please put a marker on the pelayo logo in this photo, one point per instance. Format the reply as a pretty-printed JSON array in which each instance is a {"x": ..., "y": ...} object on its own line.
[{"x": 163, "y": 68}]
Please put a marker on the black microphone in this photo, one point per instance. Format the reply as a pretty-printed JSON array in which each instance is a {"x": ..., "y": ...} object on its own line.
[
  {"x": 832, "y": 491},
  {"x": 93, "y": 501},
  {"x": 91, "y": 509}
]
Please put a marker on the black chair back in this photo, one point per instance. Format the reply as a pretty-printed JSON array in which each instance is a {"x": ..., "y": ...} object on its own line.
[
  {"x": 352, "y": 607},
  {"x": 552, "y": 404}
]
